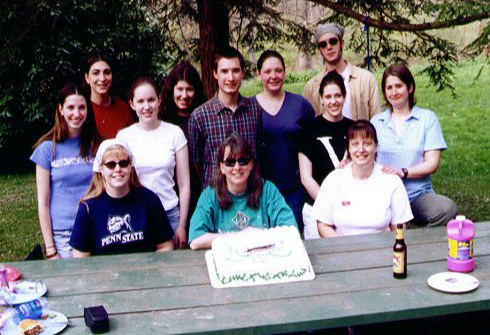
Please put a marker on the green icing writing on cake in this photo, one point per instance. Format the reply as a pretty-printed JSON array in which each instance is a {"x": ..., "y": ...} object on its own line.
[{"x": 252, "y": 277}]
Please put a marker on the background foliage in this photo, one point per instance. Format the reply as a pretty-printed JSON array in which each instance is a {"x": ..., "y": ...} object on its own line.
[{"x": 45, "y": 43}]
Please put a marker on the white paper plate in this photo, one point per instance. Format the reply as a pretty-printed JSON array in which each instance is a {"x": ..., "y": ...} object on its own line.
[
  {"x": 453, "y": 282},
  {"x": 55, "y": 323},
  {"x": 26, "y": 291}
]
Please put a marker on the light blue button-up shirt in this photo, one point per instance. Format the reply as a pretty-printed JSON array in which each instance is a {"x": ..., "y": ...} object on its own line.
[{"x": 421, "y": 132}]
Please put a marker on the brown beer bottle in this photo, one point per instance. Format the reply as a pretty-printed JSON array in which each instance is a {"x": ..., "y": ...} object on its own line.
[{"x": 399, "y": 254}]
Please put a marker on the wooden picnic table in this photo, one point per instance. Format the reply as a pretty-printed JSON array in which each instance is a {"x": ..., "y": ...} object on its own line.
[{"x": 354, "y": 285}]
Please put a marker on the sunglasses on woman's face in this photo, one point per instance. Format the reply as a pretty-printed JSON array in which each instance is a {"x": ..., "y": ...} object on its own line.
[
  {"x": 123, "y": 163},
  {"x": 332, "y": 41},
  {"x": 242, "y": 161}
]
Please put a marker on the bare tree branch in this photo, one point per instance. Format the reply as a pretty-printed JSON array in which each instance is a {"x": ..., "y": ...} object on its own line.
[{"x": 458, "y": 21}]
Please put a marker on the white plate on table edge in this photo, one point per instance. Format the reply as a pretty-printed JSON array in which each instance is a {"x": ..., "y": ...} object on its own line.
[
  {"x": 59, "y": 318},
  {"x": 453, "y": 282},
  {"x": 20, "y": 298},
  {"x": 213, "y": 277}
]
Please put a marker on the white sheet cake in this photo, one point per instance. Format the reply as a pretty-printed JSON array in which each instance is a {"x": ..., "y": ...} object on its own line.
[{"x": 261, "y": 256}]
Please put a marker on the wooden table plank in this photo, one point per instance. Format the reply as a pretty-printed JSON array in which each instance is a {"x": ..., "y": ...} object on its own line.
[
  {"x": 283, "y": 315},
  {"x": 198, "y": 296},
  {"x": 170, "y": 292},
  {"x": 143, "y": 278}
]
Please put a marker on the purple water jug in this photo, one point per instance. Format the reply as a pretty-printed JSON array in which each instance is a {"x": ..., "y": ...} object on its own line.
[{"x": 460, "y": 233}]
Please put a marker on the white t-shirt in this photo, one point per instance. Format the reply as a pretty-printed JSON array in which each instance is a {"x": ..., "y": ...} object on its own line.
[
  {"x": 346, "y": 109},
  {"x": 154, "y": 152},
  {"x": 362, "y": 206}
]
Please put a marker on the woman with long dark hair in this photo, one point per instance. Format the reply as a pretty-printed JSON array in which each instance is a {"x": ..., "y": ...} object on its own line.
[
  {"x": 111, "y": 114},
  {"x": 238, "y": 199},
  {"x": 63, "y": 158},
  {"x": 182, "y": 93}
]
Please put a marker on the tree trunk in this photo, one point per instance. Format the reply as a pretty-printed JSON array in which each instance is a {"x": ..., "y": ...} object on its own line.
[{"x": 214, "y": 33}]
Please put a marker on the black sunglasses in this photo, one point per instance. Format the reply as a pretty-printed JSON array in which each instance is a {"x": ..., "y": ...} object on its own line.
[
  {"x": 242, "y": 161},
  {"x": 122, "y": 163},
  {"x": 332, "y": 41}
]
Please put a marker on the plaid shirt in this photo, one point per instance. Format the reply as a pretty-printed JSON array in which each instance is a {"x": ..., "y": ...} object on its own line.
[{"x": 211, "y": 123}]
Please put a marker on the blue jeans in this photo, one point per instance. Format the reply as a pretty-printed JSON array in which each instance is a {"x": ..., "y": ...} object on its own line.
[
  {"x": 173, "y": 216},
  {"x": 296, "y": 200},
  {"x": 61, "y": 243}
]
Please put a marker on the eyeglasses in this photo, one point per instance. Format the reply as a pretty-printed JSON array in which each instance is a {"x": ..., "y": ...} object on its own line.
[
  {"x": 242, "y": 161},
  {"x": 332, "y": 41},
  {"x": 122, "y": 163}
]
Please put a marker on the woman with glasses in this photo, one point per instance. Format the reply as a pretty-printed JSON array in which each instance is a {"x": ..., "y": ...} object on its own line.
[
  {"x": 284, "y": 115},
  {"x": 63, "y": 158},
  {"x": 238, "y": 199},
  {"x": 111, "y": 114},
  {"x": 117, "y": 215},
  {"x": 160, "y": 149}
]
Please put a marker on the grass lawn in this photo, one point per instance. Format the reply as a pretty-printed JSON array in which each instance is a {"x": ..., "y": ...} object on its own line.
[{"x": 463, "y": 173}]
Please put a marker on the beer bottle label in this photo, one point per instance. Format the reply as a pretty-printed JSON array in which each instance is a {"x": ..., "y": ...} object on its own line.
[{"x": 398, "y": 260}]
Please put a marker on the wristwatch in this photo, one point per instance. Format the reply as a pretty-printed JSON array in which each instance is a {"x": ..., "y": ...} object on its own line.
[{"x": 405, "y": 173}]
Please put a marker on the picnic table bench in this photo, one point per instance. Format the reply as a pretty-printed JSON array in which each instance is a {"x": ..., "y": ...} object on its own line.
[{"x": 354, "y": 285}]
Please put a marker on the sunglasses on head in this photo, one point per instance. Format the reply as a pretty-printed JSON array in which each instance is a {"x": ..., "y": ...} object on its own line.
[
  {"x": 332, "y": 41},
  {"x": 242, "y": 161},
  {"x": 123, "y": 163}
]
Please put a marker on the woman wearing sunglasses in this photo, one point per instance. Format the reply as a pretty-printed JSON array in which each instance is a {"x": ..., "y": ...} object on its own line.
[
  {"x": 238, "y": 199},
  {"x": 284, "y": 115},
  {"x": 118, "y": 215},
  {"x": 160, "y": 149},
  {"x": 63, "y": 158}
]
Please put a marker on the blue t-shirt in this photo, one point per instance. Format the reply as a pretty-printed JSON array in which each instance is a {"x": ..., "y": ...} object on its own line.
[
  {"x": 134, "y": 223},
  {"x": 70, "y": 178},
  {"x": 279, "y": 152},
  {"x": 421, "y": 132}
]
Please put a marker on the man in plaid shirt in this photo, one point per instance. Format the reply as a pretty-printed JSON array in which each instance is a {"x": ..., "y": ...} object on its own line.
[{"x": 225, "y": 114}]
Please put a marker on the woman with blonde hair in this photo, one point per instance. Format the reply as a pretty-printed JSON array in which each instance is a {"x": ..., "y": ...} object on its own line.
[
  {"x": 118, "y": 215},
  {"x": 63, "y": 158}
]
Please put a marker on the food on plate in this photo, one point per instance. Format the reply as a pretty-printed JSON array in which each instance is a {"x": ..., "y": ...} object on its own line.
[{"x": 30, "y": 327}]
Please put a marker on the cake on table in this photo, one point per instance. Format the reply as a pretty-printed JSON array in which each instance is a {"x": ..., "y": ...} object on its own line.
[{"x": 256, "y": 257}]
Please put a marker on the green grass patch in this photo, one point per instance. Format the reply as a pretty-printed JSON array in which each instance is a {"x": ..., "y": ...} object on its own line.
[
  {"x": 19, "y": 224},
  {"x": 462, "y": 176}
]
